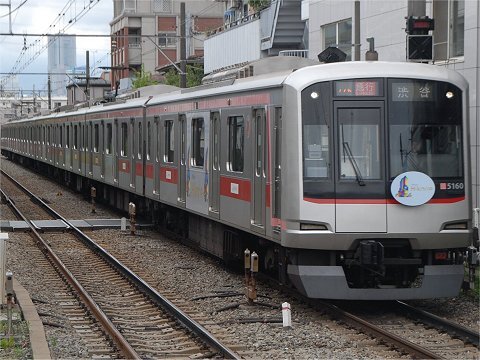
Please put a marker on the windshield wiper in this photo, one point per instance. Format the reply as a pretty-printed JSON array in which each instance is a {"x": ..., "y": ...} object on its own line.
[{"x": 353, "y": 162}]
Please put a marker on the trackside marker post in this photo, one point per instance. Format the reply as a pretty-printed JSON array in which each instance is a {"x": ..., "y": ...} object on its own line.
[{"x": 287, "y": 315}]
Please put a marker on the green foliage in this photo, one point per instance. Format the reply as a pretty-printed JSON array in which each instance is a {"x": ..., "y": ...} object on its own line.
[
  {"x": 143, "y": 78},
  {"x": 258, "y": 4},
  {"x": 194, "y": 76},
  {"x": 7, "y": 343}
]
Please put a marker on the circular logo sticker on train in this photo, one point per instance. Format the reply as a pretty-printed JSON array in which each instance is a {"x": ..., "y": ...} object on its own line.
[{"x": 412, "y": 188}]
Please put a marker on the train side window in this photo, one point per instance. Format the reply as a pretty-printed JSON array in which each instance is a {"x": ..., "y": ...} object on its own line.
[
  {"x": 236, "y": 133},
  {"x": 67, "y": 138},
  {"x": 96, "y": 137},
  {"x": 198, "y": 142},
  {"x": 75, "y": 137},
  {"x": 169, "y": 141},
  {"x": 149, "y": 140},
  {"x": 108, "y": 145},
  {"x": 124, "y": 140},
  {"x": 140, "y": 141},
  {"x": 48, "y": 135},
  {"x": 60, "y": 138}
]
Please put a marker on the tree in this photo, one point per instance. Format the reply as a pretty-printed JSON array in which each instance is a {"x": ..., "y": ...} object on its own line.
[
  {"x": 143, "y": 78},
  {"x": 194, "y": 76},
  {"x": 258, "y": 4}
]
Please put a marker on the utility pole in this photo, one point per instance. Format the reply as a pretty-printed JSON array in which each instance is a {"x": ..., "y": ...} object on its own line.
[
  {"x": 9, "y": 15},
  {"x": 183, "y": 50}
]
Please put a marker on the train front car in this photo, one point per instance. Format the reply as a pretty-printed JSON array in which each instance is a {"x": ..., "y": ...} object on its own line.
[{"x": 376, "y": 198}]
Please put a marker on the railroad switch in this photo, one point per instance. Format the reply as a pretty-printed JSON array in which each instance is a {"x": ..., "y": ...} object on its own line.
[
  {"x": 132, "y": 212},
  {"x": 93, "y": 195},
  {"x": 251, "y": 269}
]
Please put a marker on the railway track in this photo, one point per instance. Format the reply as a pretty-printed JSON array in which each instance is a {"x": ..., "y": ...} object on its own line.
[
  {"x": 139, "y": 321},
  {"x": 411, "y": 330}
]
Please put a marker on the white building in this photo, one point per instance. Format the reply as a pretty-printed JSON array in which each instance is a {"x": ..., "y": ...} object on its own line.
[{"x": 62, "y": 51}]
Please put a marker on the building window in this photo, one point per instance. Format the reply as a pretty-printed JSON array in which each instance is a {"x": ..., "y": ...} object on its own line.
[
  {"x": 167, "y": 39},
  {"x": 169, "y": 141},
  {"x": 162, "y": 6},
  {"x": 236, "y": 132},
  {"x": 198, "y": 142},
  {"x": 339, "y": 35},
  {"x": 449, "y": 29}
]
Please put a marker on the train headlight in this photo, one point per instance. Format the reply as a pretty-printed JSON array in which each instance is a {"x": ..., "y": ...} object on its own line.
[
  {"x": 449, "y": 95},
  {"x": 314, "y": 95}
]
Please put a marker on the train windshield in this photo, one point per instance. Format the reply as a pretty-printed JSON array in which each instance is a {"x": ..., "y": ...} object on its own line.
[
  {"x": 425, "y": 128},
  {"x": 353, "y": 138}
]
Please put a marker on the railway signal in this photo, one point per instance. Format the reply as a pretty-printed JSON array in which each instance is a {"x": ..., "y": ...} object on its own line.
[{"x": 419, "y": 42}]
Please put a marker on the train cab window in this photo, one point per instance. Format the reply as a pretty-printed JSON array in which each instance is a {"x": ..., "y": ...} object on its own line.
[
  {"x": 425, "y": 128},
  {"x": 169, "y": 141},
  {"x": 236, "y": 134},
  {"x": 96, "y": 138},
  {"x": 315, "y": 133},
  {"x": 109, "y": 141},
  {"x": 198, "y": 142},
  {"x": 124, "y": 140}
]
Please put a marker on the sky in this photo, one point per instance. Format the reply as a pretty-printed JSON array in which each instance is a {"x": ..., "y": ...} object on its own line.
[{"x": 50, "y": 17}]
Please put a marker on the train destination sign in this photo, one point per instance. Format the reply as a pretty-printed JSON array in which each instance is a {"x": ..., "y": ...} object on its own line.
[
  {"x": 370, "y": 87},
  {"x": 412, "y": 91}
]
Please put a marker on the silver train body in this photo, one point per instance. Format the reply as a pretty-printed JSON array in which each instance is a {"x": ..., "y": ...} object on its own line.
[{"x": 350, "y": 180}]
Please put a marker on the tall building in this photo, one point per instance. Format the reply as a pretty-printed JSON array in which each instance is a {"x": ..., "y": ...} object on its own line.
[
  {"x": 147, "y": 33},
  {"x": 62, "y": 52}
]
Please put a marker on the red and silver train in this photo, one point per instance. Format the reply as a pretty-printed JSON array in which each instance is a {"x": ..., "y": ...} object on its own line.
[{"x": 351, "y": 180}]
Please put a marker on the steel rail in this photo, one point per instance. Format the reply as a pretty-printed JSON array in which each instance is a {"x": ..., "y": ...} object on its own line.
[
  {"x": 462, "y": 332},
  {"x": 160, "y": 300},
  {"x": 374, "y": 330},
  {"x": 124, "y": 347}
]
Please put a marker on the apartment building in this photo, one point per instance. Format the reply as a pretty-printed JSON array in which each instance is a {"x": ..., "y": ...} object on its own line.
[{"x": 148, "y": 32}]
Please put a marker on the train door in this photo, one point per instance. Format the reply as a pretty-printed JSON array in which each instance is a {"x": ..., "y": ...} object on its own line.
[
  {"x": 360, "y": 160},
  {"x": 182, "y": 178},
  {"x": 214, "y": 166},
  {"x": 197, "y": 145},
  {"x": 139, "y": 157},
  {"x": 158, "y": 151},
  {"x": 258, "y": 191}
]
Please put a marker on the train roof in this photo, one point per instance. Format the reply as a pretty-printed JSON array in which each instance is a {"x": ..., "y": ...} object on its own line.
[
  {"x": 297, "y": 78},
  {"x": 370, "y": 69}
]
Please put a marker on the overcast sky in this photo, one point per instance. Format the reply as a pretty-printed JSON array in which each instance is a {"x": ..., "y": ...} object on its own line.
[{"x": 38, "y": 17}]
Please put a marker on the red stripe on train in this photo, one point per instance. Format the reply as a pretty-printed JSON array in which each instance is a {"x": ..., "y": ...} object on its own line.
[
  {"x": 378, "y": 201},
  {"x": 235, "y": 188},
  {"x": 169, "y": 175}
]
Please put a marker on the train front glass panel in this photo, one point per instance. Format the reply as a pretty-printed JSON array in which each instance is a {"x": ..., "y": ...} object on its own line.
[{"x": 382, "y": 128}]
